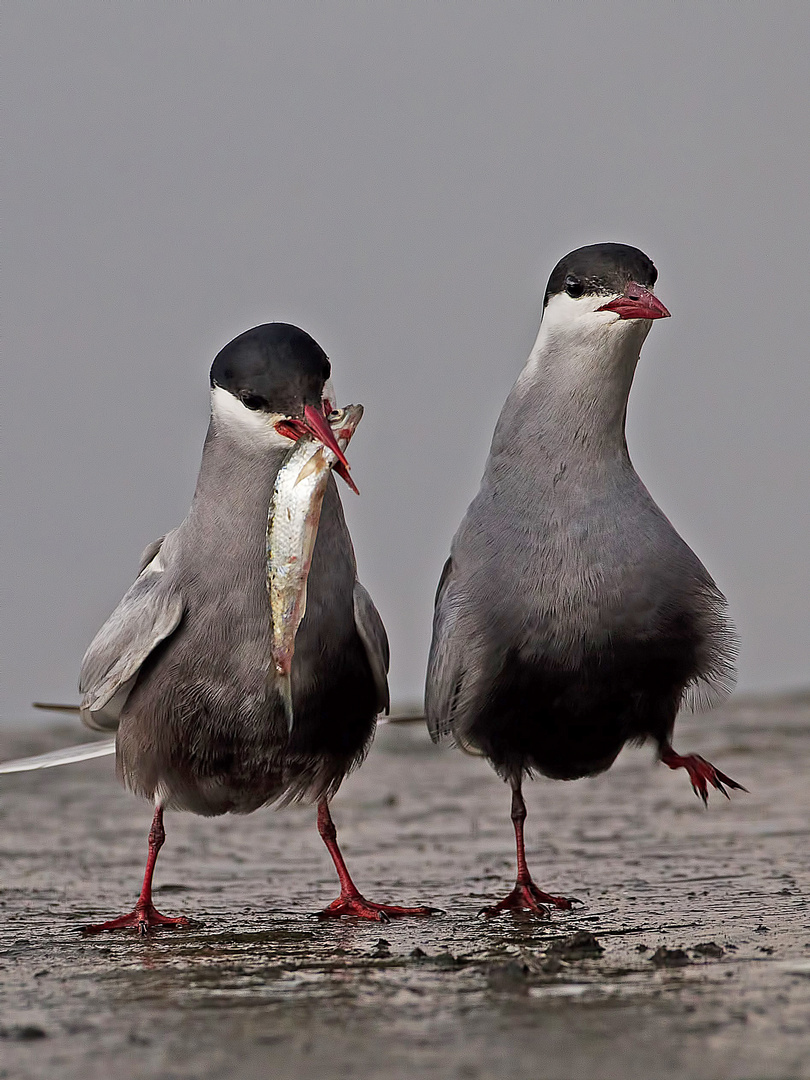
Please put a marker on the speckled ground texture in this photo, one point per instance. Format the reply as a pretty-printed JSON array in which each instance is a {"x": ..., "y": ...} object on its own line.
[{"x": 259, "y": 988}]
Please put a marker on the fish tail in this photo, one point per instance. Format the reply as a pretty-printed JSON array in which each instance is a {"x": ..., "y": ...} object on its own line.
[{"x": 285, "y": 690}]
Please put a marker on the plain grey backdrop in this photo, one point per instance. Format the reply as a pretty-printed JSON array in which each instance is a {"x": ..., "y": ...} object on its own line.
[{"x": 399, "y": 179}]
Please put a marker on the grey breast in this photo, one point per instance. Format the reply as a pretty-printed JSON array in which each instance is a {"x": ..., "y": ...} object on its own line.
[{"x": 560, "y": 554}]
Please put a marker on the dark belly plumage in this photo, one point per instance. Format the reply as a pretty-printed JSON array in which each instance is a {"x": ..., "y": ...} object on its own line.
[
  {"x": 334, "y": 724},
  {"x": 568, "y": 721},
  {"x": 228, "y": 751}
]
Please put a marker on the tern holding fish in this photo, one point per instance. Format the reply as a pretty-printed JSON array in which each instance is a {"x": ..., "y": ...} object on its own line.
[{"x": 195, "y": 667}]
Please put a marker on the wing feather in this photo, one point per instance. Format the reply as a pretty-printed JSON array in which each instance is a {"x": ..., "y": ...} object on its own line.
[
  {"x": 445, "y": 672},
  {"x": 66, "y": 756},
  {"x": 372, "y": 634},
  {"x": 149, "y": 612}
]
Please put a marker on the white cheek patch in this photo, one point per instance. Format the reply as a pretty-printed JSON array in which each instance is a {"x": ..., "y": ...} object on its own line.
[
  {"x": 564, "y": 311},
  {"x": 249, "y": 425},
  {"x": 579, "y": 347},
  {"x": 574, "y": 331}
]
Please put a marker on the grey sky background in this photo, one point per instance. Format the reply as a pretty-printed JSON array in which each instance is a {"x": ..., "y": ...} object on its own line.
[{"x": 398, "y": 179}]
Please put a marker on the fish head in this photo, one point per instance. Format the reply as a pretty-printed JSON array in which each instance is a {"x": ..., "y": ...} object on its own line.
[{"x": 333, "y": 431}]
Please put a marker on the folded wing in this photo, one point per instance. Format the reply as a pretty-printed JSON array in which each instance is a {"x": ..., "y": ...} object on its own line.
[
  {"x": 445, "y": 670},
  {"x": 372, "y": 634},
  {"x": 148, "y": 614}
]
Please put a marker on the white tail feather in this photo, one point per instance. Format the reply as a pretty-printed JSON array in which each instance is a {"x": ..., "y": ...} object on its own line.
[{"x": 67, "y": 756}]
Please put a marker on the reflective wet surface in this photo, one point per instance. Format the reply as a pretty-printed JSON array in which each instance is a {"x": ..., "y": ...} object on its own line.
[{"x": 702, "y": 918}]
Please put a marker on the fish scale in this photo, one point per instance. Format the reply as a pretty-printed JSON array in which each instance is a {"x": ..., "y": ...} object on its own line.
[{"x": 292, "y": 527}]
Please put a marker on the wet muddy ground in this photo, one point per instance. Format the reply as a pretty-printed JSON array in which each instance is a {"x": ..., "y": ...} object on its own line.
[{"x": 702, "y": 918}]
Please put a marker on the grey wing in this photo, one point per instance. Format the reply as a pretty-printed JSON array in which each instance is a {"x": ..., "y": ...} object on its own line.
[
  {"x": 372, "y": 634},
  {"x": 149, "y": 612},
  {"x": 462, "y": 663},
  {"x": 444, "y": 670}
]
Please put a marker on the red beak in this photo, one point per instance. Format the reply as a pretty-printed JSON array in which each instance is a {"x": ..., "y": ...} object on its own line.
[
  {"x": 637, "y": 303},
  {"x": 315, "y": 424},
  {"x": 343, "y": 472}
]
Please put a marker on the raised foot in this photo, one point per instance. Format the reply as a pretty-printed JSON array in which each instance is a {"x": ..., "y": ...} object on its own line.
[
  {"x": 358, "y": 907},
  {"x": 527, "y": 897},
  {"x": 142, "y": 919},
  {"x": 701, "y": 773}
]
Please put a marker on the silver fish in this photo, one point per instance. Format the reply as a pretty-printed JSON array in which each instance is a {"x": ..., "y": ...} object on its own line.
[{"x": 292, "y": 526}]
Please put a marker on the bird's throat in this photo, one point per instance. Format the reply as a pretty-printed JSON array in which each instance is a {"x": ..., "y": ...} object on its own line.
[{"x": 572, "y": 393}]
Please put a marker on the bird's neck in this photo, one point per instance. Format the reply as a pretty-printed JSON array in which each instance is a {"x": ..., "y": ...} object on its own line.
[
  {"x": 570, "y": 400},
  {"x": 236, "y": 478}
]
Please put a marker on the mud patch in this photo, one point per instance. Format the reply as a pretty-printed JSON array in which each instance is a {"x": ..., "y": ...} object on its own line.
[{"x": 258, "y": 987}]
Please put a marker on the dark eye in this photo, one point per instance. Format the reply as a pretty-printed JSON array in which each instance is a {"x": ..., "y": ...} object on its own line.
[
  {"x": 574, "y": 287},
  {"x": 253, "y": 401}
]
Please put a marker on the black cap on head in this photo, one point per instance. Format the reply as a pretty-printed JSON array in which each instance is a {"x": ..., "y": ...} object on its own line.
[
  {"x": 600, "y": 269},
  {"x": 275, "y": 367}
]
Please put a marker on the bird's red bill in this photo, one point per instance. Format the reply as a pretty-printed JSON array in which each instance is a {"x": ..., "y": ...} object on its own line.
[
  {"x": 637, "y": 303},
  {"x": 318, "y": 426},
  {"x": 315, "y": 424}
]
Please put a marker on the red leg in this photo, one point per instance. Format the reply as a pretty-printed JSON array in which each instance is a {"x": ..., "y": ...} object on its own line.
[
  {"x": 701, "y": 773},
  {"x": 351, "y": 901},
  {"x": 145, "y": 915},
  {"x": 525, "y": 896}
]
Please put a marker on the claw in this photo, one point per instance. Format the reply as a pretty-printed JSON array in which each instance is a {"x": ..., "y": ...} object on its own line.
[
  {"x": 701, "y": 774},
  {"x": 527, "y": 897},
  {"x": 359, "y": 908},
  {"x": 351, "y": 902},
  {"x": 145, "y": 915},
  {"x": 142, "y": 919}
]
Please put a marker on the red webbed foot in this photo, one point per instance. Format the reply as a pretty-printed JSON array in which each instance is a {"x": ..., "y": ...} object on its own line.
[
  {"x": 527, "y": 897},
  {"x": 357, "y": 907},
  {"x": 142, "y": 919},
  {"x": 701, "y": 773},
  {"x": 350, "y": 903}
]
